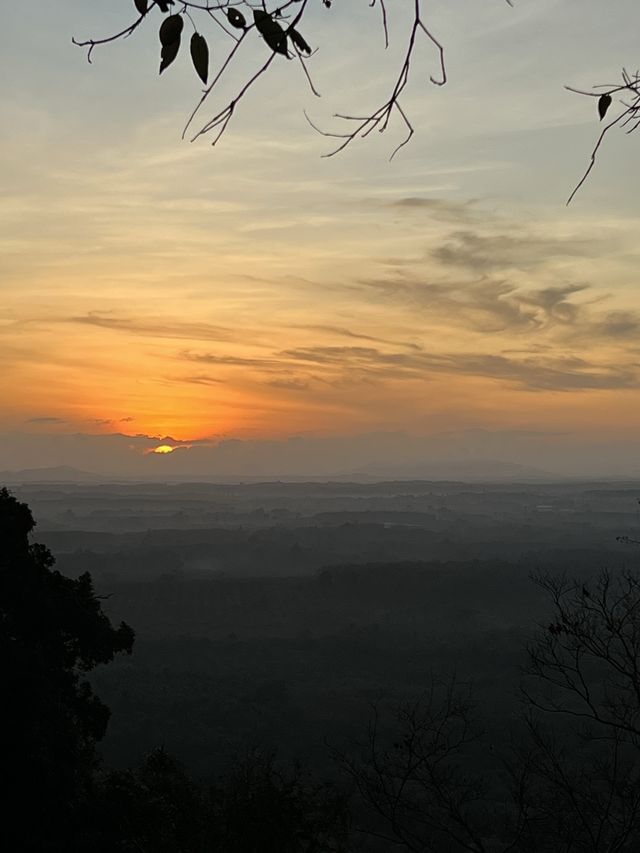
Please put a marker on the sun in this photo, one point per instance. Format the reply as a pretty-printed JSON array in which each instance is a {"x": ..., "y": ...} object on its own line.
[{"x": 164, "y": 448}]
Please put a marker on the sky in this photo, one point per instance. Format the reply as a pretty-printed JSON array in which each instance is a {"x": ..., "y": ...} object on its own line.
[{"x": 260, "y": 307}]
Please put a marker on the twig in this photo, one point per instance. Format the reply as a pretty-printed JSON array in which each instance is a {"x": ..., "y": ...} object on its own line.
[{"x": 629, "y": 116}]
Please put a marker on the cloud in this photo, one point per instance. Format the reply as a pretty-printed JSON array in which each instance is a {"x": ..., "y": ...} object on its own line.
[
  {"x": 615, "y": 325},
  {"x": 290, "y": 384},
  {"x": 385, "y": 454},
  {"x": 442, "y": 209},
  {"x": 552, "y": 374},
  {"x": 46, "y": 420},
  {"x": 564, "y": 314},
  {"x": 160, "y": 328},
  {"x": 482, "y": 253},
  {"x": 533, "y": 373},
  {"x": 179, "y": 442},
  {"x": 199, "y": 379},
  {"x": 266, "y": 364},
  {"x": 490, "y": 275},
  {"x": 335, "y": 355},
  {"x": 553, "y": 302},
  {"x": 485, "y": 304},
  {"x": 341, "y": 332}
]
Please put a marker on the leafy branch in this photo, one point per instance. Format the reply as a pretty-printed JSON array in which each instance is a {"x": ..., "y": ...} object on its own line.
[
  {"x": 240, "y": 22},
  {"x": 237, "y": 24}
]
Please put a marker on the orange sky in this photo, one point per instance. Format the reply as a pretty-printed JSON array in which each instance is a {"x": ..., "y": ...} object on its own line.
[{"x": 258, "y": 291}]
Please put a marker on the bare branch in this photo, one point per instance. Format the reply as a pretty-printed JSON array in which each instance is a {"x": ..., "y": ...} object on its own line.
[
  {"x": 379, "y": 118},
  {"x": 630, "y": 115}
]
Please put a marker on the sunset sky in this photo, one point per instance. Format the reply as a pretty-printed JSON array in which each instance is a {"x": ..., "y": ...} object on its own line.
[{"x": 190, "y": 295}]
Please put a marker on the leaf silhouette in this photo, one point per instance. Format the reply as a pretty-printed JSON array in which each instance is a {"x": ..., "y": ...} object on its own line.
[
  {"x": 271, "y": 32},
  {"x": 142, "y": 6},
  {"x": 169, "y": 53},
  {"x": 164, "y": 5},
  {"x": 170, "y": 30},
  {"x": 236, "y": 19},
  {"x": 200, "y": 56},
  {"x": 298, "y": 41},
  {"x": 604, "y": 102}
]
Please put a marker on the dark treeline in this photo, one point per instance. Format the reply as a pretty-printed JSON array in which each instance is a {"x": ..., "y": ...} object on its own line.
[
  {"x": 149, "y": 531},
  {"x": 359, "y": 705}
]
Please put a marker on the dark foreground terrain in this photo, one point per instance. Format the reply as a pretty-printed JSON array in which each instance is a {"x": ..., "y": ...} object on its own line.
[
  {"x": 278, "y": 616},
  {"x": 274, "y": 613}
]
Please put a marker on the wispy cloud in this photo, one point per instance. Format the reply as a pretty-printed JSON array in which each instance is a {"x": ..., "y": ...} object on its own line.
[
  {"x": 532, "y": 369},
  {"x": 268, "y": 363},
  {"x": 619, "y": 326},
  {"x": 484, "y": 252},
  {"x": 341, "y": 332},
  {"x": 442, "y": 209},
  {"x": 533, "y": 373},
  {"x": 161, "y": 328},
  {"x": 46, "y": 420},
  {"x": 290, "y": 384},
  {"x": 198, "y": 379},
  {"x": 485, "y": 304}
]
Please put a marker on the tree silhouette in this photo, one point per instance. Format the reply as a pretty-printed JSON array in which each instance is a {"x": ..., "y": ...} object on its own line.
[
  {"x": 263, "y": 807},
  {"x": 59, "y": 799},
  {"x": 413, "y": 775},
  {"x": 583, "y": 673},
  {"x": 52, "y": 631},
  {"x": 569, "y": 780},
  {"x": 157, "y": 808},
  {"x": 256, "y": 807}
]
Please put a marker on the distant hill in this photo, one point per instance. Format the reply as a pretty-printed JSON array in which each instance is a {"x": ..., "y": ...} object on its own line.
[
  {"x": 59, "y": 474},
  {"x": 465, "y": 470}
]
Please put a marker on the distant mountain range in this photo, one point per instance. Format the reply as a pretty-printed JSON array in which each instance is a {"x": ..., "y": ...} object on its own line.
[
  {"x": 59, "y": 474},
  {"x": 467, "y": 470},
  {"x": 440, "y": 470}
]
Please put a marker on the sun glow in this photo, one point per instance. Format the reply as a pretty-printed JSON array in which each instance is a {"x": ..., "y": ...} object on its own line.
[{"x": 164, "y": 448}]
